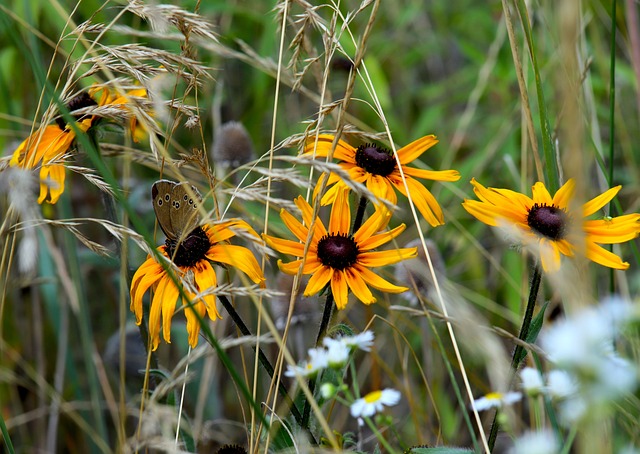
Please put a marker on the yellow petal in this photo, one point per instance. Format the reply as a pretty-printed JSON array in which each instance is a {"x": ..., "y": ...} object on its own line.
[
  {"x": 376, "y": 281},
  {"x": 435, "y": 175},
  {"x": 51, "y": 181},
  {"x": 563, "y": 195},
  {"x": 359, "y": 287},
  {"x": 380, "y": 239},
  {"x": 413, "y": 151},
  {"x": 540, "y": 194},
  {"x": 307, "y": 217},
  {"x": 205, "y": 278},
  {"x": 596, "y": 203},
  {"x": 601, "y": 256},
  {"x": 300, "y": 231},
  {"x": 318, "y": 281},
  {"x": 238, "y": 257},
  {"x": 380, "y": 186},
  {"x": 193, "y": 320},
  {"x": 614, "y": 230},
  {"x": 343, "y": 151},
  {"x": 549, "y": 255},
  {"x": 383, "y": 258},
  {"x": 340, "y": 220},
  {"x": 376, "y": 222},
  {"x": 147, "y": 275},
  {"x": 284, "y": 246},
  {"x": 424, "y": 201},
  {"x": 168, "y": 298},
  {"x": 155, "y": 312},
  {"x": 340, "y": 289}
]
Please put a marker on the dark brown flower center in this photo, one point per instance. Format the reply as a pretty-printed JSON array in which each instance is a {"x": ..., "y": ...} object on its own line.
[
  {"x": 375, "y": 160},
  {"x": 549, "y": 221},
  {"x": 191, "y": 250},
  {"x": 79, "y": 102},
  {"x": 338, "y": 251}
]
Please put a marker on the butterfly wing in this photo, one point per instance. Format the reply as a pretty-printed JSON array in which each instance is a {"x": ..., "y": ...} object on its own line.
[
  {"x": 185, "y": 200},
  {"x": 161, "y": 194}
]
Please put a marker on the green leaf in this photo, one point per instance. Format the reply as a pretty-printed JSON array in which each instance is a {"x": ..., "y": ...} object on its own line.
[
  {"x": 534, "y": 330},
  {"x": 439, "y": 450}
]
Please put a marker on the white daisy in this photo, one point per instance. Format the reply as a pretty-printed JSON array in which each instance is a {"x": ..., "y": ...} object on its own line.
[
  {"x": 318, "y": 360},
  {"x": 542, "y": 442},
  {"x": 532, "y": 382},
  {"x": 337, "y": 352},
  {"x": 496, "y": 400},
  {"x": 374, "y": 402},
  {"x": 363, "y": 341},
  {"x": 561, "y": 384}
]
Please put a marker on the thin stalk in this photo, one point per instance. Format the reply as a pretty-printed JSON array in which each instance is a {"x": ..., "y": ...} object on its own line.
[
  {"x": 524, "y": 333},
  {"x": 612, "y": 116},
  {"x": 357, "y": 223},
  {"x": 324, "y": 324},
  {"x": 261, "y": 356},
  {"x": 5, "y": 436}
]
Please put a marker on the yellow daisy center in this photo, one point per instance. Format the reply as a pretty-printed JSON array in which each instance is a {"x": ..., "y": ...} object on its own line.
[
  {"x": 375, "y": 160},
  {"x": 79, "y": 102},
  {"x": 338, "y": 251},
  {"x": 373, "y": 397},
  {"x": 191, "y": 250},
  {"x": 549, "y": 221}
]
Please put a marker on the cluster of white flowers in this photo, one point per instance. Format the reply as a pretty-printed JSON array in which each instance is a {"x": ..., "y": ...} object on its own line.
[
  {"x": 589, "y": 373},
  {"x": 334, "y": 353},
  {"x": 559, "y": 383}
]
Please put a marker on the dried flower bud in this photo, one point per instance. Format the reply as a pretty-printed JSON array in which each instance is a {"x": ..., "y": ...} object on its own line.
[{"x": 233, "y": 146}]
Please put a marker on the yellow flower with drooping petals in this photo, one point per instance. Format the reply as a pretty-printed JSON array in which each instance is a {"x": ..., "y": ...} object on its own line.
[
  {"x": 545, "y": 222},
  {"x": 192, "y": 257},
  {"x": 378, "y": 169}
]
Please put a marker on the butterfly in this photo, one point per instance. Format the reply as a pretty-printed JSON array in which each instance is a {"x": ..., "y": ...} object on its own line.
[{"x": 176, "y": 208}]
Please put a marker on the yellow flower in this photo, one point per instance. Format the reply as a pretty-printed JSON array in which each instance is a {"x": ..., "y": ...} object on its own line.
[
  {"x": 46, "y": 148},
  {"x": 378, "y": 169},
  {"x": 338, "y": 258},
  {"x": 114, "y": 98},
  {"x": 192, "y": 258},
  {"x": 544, "y": 222}
]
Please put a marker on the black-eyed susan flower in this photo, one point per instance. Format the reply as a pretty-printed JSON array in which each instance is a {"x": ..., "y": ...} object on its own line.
[
  {"x": 124, "y": 100},
  {"x": 192, "y": 258},
  {"x": 337, "y": 258},
  {"x": 47, "y": 147},
  {"x": 377, "y": 167},
  {"x": 545, "y": 222}
]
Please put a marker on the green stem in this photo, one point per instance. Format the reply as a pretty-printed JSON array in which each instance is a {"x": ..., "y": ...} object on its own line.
[
  {"x": 5, "y": 436},
  {"x": 612, "y": 116},
  {"x": 359, "y": 215},
  {"x": 524, "y": 333},
  {"x": 261, "y": 356},
  {"x": 324, "y": 324}
]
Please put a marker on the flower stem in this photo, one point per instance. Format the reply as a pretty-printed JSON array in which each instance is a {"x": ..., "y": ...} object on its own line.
[
  {"x": 324, "y": 324},
  {"x": 261, "y": 356},
  {"x": 357, "y": 223},
  {"x": 524, "y": 333}
]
